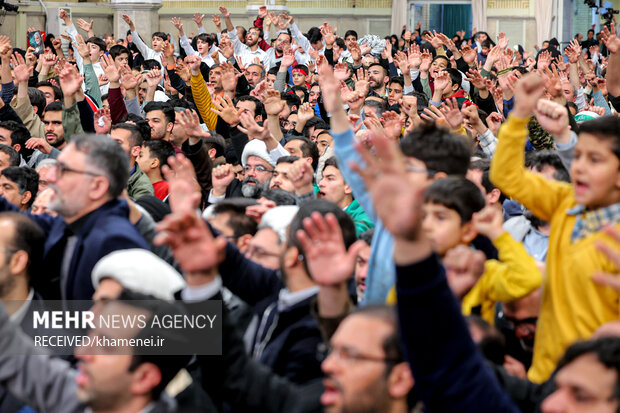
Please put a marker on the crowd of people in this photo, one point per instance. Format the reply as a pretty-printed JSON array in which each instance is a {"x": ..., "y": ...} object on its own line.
[{"x": 411, "y": 223}]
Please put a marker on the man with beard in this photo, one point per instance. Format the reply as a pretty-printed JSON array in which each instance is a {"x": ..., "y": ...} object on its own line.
[
  {"x": 128, "y": 136},
  {"x": 377, "y": 78},
  {"x": 50, "y": 146},
  {"x": 254, "y": 73},
  {"x": 15, "y": 135},
  {"x": 160, "y": 116},
  {"x": 258, "y": 167},
  {"x": 249, "y": 51},
  {"x": 280, "y": 178},
  {"x": 92, "y": 172}
]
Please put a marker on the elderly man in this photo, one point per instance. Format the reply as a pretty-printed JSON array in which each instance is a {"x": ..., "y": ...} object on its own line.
[{"x": 92, "y": 172}]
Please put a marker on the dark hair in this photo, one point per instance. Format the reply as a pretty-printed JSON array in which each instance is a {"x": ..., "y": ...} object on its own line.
[
  {"x": 261, "y": 34},
  {"x": 19, "y": 133},
  {"x": 381, "y": 105},
  {"x": 385, "y": 70},
  {"x": 422, "y": 100},
  {"x": 302, "y": 89},
  {"x": 117, "y": 50},
  {"x": 287, "y": 159},
  {"x": 57, "y": 91},
  {"x": 440, "y": 150},
  {"x": 149, "y": 64},
  {"x": 606, "y": 128},
  {"x": 98, "y": 42},
  {"x": 279, "y": 196},
  {"x": 351, "y": 33},
  {"x": 480, "y": 165},
  {"x": 367, "y": 236},
  {"x": 160, "y": 150},
  {"x": 308, "y": 149},
  {"x": 141, "y": 123},
  {"x": 331, "y": 161},
  {"x": 260, "y": 107},
  {"x": 107, "y": 156},
  {"x": 14, "y": 158},
  {"x": 486, "y": 43},
  {"x": 238, "y": 221},
  {"x": 291, "y": 100},
  {"x": 161, "y": 35},
  {"x": 54, "y": 107},
  {"x": 606, "y": 350},
  {"x": 341, "y": 44},
  {"x": 302, "y": 67},
  {"x": 28, "y": 237},
  {"x": 165, "y": 107},
  {"x": 455, "y": 76},
  {"x": 489, "y": 186},
  {"x": 442, "y": 57},
  {"x": 135, "y": 138},
  {"x": 456, "y": 193},
  {"x": 37, "y": 98},
  {"x": 323, "y": 207},
  {"x": 397, "y": 79},
  {"x": 540, "y": 159},
  {"x": 26, "y": 179}
]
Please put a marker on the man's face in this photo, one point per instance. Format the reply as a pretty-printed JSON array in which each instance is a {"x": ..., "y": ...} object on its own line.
[
  {"x": 282, "y": 41},
  {"x": 94, "y": 52},
  {"x": 121, "y": 60},
  {"x": 376, "y": 77},
  {"x": 594, "y": 172},
  {"x": 7, "y": 234},
  {"x": 271, "y": 79},
  {"x": 315, "y": 93},
  {"x": 5, "y": 161},
  {"x": 290, "y": 123},
  {"x": 122, "y": 137},
  {"x": 251, "y": 172},
  {"x": 590, "y": 35},
  {"x": 72, "y": 189},
  {"x": 10, "y": 191},
  {"x": 353, "y": 384},
  {"x": 251, "y": 37},
  {"x": 158, "y": 43},
  {"x": 246, "y": 106},
  {"x": 240, "y": 33},
  {"x": 39, "y": 206},
  {"x": 323, "y": 141},
  {"x": 54, "y": 132},
  {"x": 314, "y": 134},
  {"x": 44, "y": 174},
  {"x": 265, "y": 248},
  {"x": 5, "y": 137},
  {"x": 280, "y": 178},
  {"x": 583, "y": 385},
  {"x": 395, "y": 93},
  {"x": 48, "y": 92},
  {"x": 361, "y": 270},
  {"x": 294, "y": 148},
  {"x": 332, "y": 186},
  {"x": 215, "y": 76},
  {"x": 569, "y": 92},
  {"x": 158, "y": 123},
  {"x": 253, "y": 75}
]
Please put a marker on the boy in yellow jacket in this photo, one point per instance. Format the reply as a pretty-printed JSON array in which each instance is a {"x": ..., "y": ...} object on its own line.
[{"x": 573, "y": 306}]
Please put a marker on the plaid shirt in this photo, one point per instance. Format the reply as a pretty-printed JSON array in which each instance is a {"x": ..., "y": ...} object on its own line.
[{"x": 589, "y": 222}]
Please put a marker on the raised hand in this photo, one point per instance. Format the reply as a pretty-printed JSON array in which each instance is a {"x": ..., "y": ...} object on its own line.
[
  {"x": 224, "y": 11},
  {"x": 39, "y": 143},
  {"x": 392, "y": 125},
  {"x": 288, "y": 59},
  {"x": 427, "y": 59},
  {"x": 82, "y": 48},
  {"x": 328, "y": 260},
  {"x": 128, "y": 20},
  {"x": 103, "y": 121},
  {"x": 452, "y": 113},
  {"x": 152, "y": 78},
  {"x": 21, "y": 71},
  {"x": 176, "y": 22},
  {"x": 301, "y": 175},
  {"x": 273, "y": 103},
  {"x": 70, "y": 81},
  {"x": 253, "y": 129},
  {"x": 476, "y": 79},
  {"x": 227, "y": 49},
  {"x": 489, "y": 222},
  {"x": 415, "y": 57},
  {"x": 110, "y": 69},
  {"x": 433, "y": 39},
  {"x": 544, "y": 60},
  {"x": 552, "y": 116},
  {"x": 464, "y": 266},
  {"x": 193, "y": 63},
  {"x": 48, "y": 59},
  {"x": 442, "y": 80},
  {"x": 221, "y": 177},
  {"x": 198, "y": 18},
  {"x": 528, "y": 90},
  {"x": 328, "y": 35},
  {"x": 230, "y": 76},
  {"x": 361, "y": 81},
  {"x": 341, "y": 71},
  {"x": 84, "y": 25},
  {"x": 502, "y": 40},
  {"x": 226, "y": 110},
  {"x": 217, "y": 21}
]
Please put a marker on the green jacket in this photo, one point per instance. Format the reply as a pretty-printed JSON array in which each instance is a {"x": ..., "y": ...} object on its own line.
[
  {"x": 139, "y": 184},
  {"x": 360, "y": 218}
]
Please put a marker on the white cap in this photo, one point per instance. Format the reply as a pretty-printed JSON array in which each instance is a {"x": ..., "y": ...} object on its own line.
[
  {"x": 258, "y": 148},
  {"x": 279, "y": 219}
]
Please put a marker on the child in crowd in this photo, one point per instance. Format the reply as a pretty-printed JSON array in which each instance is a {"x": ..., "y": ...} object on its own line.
[{"x": 153, "y": 156}]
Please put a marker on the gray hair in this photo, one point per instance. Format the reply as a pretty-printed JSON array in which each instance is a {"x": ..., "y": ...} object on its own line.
[
  {"x": 107, "y": 156},
  {"x": 47, "y": 163}
]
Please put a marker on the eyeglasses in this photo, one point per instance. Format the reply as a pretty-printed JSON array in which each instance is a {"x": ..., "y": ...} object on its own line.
[
  {"x": 259, "y": 253},
  {"x": 257, "y": 169},
  {"x": 61, "y": 169},
  {"x": 429, "y": 172},
  {"x": 349, "y": 355}
]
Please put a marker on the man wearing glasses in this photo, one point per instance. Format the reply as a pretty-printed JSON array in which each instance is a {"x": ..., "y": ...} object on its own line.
[{"x": 92, "y": 172}]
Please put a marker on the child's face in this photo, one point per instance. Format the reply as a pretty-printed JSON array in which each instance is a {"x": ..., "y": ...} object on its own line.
[
  {"x": 144, "y": 159},
  {"x": 94, "y": 52},
  {"x": 202, "y": 46},
  {"x": 158, "y": 43},
  {"x": 299, "y": 79},
  {"x": 484, "y": 50},
  {"x": 443, "y": 228},
  {"x": 595, "y": 172},
  {"x": 121, "y": 60}
]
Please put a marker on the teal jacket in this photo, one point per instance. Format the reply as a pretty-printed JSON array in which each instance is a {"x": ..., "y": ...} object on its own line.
[{"x": 360, "y": 218}]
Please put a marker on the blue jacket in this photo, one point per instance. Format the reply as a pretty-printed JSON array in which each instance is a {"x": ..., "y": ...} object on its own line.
[
  {"x": 106, "y": 229},
  {"x": 381, "y": 276},
  {"x": 450, "y": 374},
  {"x": 291, "y": 347}
]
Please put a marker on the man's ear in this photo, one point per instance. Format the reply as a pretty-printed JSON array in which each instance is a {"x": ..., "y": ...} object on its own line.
[
  {"x": 17, "y": 147},
  {"x": 243, "y": 242},
  {"x": 99, "y": 187},
  {"x": 348, "y": 190},
  {"x": 493, "y": 196},
  {"x": 26, "y": 197},
  {"x": 400, "y": 381},
  {"x": 169, "y": 127},
  {"x": 135, "y": 151},
  {"x": 212, "y": 153},
  {"x": 291, "y": 257},
  {"x": 145, "y": 378},
  {"x": 154, "y": 163},
  {"x": 18, "y": 262}
]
